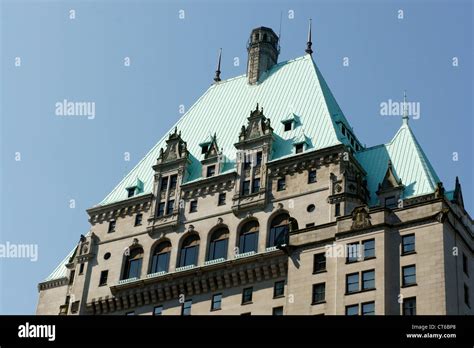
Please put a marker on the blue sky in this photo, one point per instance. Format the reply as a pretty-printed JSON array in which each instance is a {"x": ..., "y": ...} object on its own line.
[{"x": 172, "y": 64}]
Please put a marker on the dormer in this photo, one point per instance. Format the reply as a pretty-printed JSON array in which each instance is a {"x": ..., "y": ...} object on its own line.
[
  {"x": 135, "y": 189},
  {"x": 212, "y": 158},
  {"x": 390, "y": 190}
]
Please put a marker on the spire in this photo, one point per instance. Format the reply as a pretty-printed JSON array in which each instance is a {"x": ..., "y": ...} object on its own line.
[
  {"x": 217, "y": 78},
  {"x": 309, "y": 43},
  {"x": 405, "y": 114}
]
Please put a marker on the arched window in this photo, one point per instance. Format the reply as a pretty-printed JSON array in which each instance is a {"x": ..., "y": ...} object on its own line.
[
  {"x": 279, "y": 228},
  {"x": 161, "y": 257},
  {"x": 189, "y": 251},
  {"x": 218, "y": 244},
  {"x": 133, "y": 263},
  {"x": 248, "y": 237}
]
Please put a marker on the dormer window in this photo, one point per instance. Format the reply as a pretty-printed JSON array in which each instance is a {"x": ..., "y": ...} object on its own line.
[
  {"x": 287, "y": 126},
  {"x": 259, "y": 159},
  {"x": 299, "y": 148},
  {"x": 135, "y": 189},
  {"x": 131, "y": 192},
  {"x": 204, "y": 149},
  {"x": 211, "y": 171}
]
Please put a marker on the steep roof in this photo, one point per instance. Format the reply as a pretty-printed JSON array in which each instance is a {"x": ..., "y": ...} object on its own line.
[
  {"x": 61, "y": 271},
  {"x": 295, "y": 86},
  {"x": 409, "y": 163}
]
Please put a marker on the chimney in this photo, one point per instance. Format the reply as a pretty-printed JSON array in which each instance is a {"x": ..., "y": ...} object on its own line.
[{"x": 263, "y": 52}]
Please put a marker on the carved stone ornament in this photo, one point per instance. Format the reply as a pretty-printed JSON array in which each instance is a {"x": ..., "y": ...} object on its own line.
[{"x": 360, "y": 218}]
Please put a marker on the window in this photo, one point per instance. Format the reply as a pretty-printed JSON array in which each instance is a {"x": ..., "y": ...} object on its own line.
[
  {"x": 255, "y": 185},
  {"x": 465, "y": 264},
  {"x": 246, "y": 188},
  {"x": 138, "y": 219},
  {"x": 408, "y": 244},
  {"x": 170, "y": 207},
  {"x": 352, "y": 282},
  {"x": 409, "y": 275},
  {"x": 247, "y": 295},
  {"x": 204, "y": 149},
  {"x": 343, "y": 130},
  {"x": 352, "y": 310},
  {"x": 319, "y": 292},
  {"x": 368, "y": 308},
  {"x": 281, "y": 185},
  {"x": 75, "y": 306},
  {"x": 216, "y": 302},
  {"x": 81, "y": 269},
  {"x": 131, "y": 192},
  {"x": 391, "y": 202},
  {"x": 133, "y": 263},
  {"x": 158, "y": 310},
  {"x": 368, "y": 280},
  {"x": 161, "y": 257},
  {"x": 173, "y": 181},
  {"x": 287, "y": 126},
  {"x": 218, "y": 244},
  {"x": 112, "y": 226},
  {"x": 161, "y": 209},
  {"x": 164, "y": 184},
  {"x": 211, "y": 171},
  {"x": 299, "y": 148},
  {"x": 369, "y": 248},
  {"x": 337, "y": 209},
  {"x": 319, "y": 262},
  {"x": 310, "y": 208},
  {"x": 277, "y": 311},
  {"x": 186, "y": 309},
  {"x": 107, "y": 256},
  {"x": 279, "y": 228},
  {"x": 312, "y": 176},
  {"x": 279, "y": 288},
  {"x": 71, "y": 277},
  {"x": 247, "y": 161},
  {"x": 193, "y": 206},
  {"x": 189, "y": 251},
  {"x": 248, "y": 237},
  {"x": 466, "y": 295},
  {"x": 353, "y": 252},
  {"x": 221, "y": 199},
  {"x": 259, "y": 159},
  {"x": 103, "y": 278},
  {"x": 409, "y": 306}
]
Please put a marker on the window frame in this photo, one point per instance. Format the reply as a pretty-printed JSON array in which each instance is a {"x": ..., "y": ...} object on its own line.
[
  {"x": 155, "y": 310},
  {"x": 364, "y": 243},
  {"x": 315, "y": 293},
  {"x": 406, "y": 305},
  {"x": 103, "y": 278},
  {"x": 404, "y": 282},
  {"x": 138, "y": 219},
  {"x": 408, "y": 252},
  {"x": 362, "y": 305},
  {"x": 185, "y": 308},
  {"x": 214, "y": 302},
  {"x": 279, "y": 289},
  {"x": 312, "y": 176},
  {"x": 347, "y": 283},
  {"x": 318, "y": 269},
  {"x": 364, "y": 281},
  {"x": 245, "y": 298},
  {"x": 281, "y": 184}
]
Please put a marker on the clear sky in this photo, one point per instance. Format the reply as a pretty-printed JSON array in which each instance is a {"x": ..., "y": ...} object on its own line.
[{"x": 172, "y": 62}]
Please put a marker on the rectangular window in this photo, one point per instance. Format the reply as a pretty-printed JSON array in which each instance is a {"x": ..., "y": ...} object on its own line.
[
  {"x": 186, "y": 308},
  {"x": 409, "y": 275},
  {"x": 247, "y": 295},
  {"x": 158, "y": 310},
  {"x": 193, "y": 206},
  {"x": 221, "y": 199},
  {"x": 216, "y": 302},
  {"x": 103, "y": 278},
  {"x": 130, "y": 192},
  {"x": 319, "y": 262},
  {"x": 408, "y": 244},
  {"x": 164, "y": 184},
  {"x": 211, "y": 171},
  {"x": 277, "y": 311},
  {"x": 312, "y": 176},
  {"x": 138, "y": 219},
  {"x": 368, "y": 280},
  {"x": 75, "y": 306},
  {"x": 279, "y": 289},
  {"x": 161, "y": 209},
  {"x": 369, "y": 248},
  {"x": 466, "y": 295},
  {"x": 287, "y": 126},
  {"x": 256, "y": 185},
  {"x": 259, "y": 158},
  {"x": 299, "y": 148},
  {"x": 353, "y": 252},
  {"x": 465, "y": 264},
  {"x": 281, "y": 184},
  {"x": 246, "y": 188},
  {"x": 170, "y": 207},
  {"x": 319, "y": 292},
  {"x": 247, "y": 161},
  {"x": 352, "y": 282},
  {"x": 71, "y": 277},
  {"x": 352, "y": 310},
  {"x": 81, "y": 268},
  {"x": 368, "y": 308},
  {"x": 112, "y": 226},
  {"x": 173, "y": 181},
  {"x": 409, "y": 306},
  {"x": 337, "y": 209}
]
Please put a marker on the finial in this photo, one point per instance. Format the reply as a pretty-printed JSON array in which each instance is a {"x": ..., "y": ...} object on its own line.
[
  {"x": 309, "y": 43},
  {"x": 217, "y": 78},
  {"x": 405, "y": 114}
]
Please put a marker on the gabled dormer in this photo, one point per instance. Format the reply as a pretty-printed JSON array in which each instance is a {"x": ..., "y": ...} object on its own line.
[
  {"x": 390, "y": 190},
  {"x": 211, "y": 158}
]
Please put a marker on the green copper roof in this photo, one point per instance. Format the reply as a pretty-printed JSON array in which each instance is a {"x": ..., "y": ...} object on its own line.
[
  {"x": 294, "y": 86},
  {"x": 409, "y": 163},
  {"x": 61, "y": 271}
]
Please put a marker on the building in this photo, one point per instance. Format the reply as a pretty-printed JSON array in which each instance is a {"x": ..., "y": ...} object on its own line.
[{"x": 262, "y": 200}]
